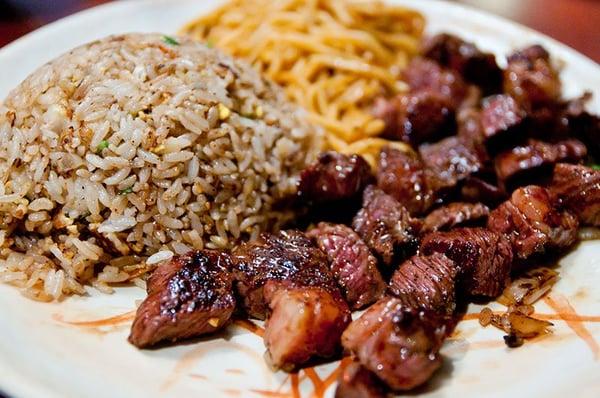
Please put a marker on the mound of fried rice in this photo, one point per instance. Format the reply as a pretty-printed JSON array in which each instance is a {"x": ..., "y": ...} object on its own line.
[{"x": 129, "y": 150}]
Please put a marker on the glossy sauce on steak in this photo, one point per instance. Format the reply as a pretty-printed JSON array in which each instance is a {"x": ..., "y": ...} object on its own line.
[
  {"x": 304, "y": 322},
  {"x": 578, "y": 188},
  {"x": 476, "y": 67},
  {"x": 535, "y": 161},
  {"x": 450, "y": 161},
  {"x": 532, "y": 223},
  {"x": 288, "y": 256},
  {"x": 385, "y": 226},
  {"x": 334, "y": 177},
  {"x": 188, "y": 296},
  {"x": 402, "y": 176},
  {"x": 399, "y": 344},
  {"x": 351, "y": 262},
  {"x": 285, "y": 279},
  {"x": 483, "y": 257},
  {"x": 414, "y": 118},
  {"x": 455, "y": 214},
  {"x": 426, "y": 282},
  {"x": 530, "y": 77},
  {"x": 423, "y": 75}
]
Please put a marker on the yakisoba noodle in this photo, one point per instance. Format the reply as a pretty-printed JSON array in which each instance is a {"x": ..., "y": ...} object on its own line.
[{"x": 332, "y": 57}]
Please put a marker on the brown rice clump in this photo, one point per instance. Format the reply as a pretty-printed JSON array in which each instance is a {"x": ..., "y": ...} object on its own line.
[{"x": 131, "y": 149}]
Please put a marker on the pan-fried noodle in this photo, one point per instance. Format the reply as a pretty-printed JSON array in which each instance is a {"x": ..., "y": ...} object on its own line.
[{"x": 332, "y": 57}]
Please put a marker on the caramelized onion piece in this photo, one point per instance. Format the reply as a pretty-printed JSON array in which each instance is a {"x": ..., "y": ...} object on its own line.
[
  {"x": 516, "y": 324},
  {"x": 529, "y": 288}
]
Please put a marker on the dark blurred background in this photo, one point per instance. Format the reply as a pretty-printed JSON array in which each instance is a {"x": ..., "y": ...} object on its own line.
[{"x": 573, "y": 22}]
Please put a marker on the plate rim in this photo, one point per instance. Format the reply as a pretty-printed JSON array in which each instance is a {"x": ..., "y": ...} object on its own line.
[{"x": 18, "y": 384}]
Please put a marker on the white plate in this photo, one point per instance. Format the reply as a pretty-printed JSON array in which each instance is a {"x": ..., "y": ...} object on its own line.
[{"x": 43, "y": 354}]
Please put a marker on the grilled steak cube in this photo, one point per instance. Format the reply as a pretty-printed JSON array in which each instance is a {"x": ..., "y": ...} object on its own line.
[
  {"x": 582, "y": 124},
  {"x": 484, "y": 257},
  {"x": 286, "y": 256},
  {"x": 475, "y": 189},
  {"x": 397, "y": 343},
  {"x": 502, "y": 119},
  {"x": 472, "y": 64},
  {"x": 334, "y": 177},
  {"x": 578, "y": 187},
  {"x": 188, "y": 296},
  {"x": 424, "y": 116},
  {"x": 424, "y": 75},
  {"x": 532, "y": 223},
  {"x": 403, "y": 176},
  {"x": 355, "y": 381},
  {"x": 284, "y": 278},
  {"x": 530, "y": 77},
  {"x": 469, "y": 124},
  {"x": 351, "y": 262},
  {"x": 305, "y": 322},
  {"x": 450, "y": 161},
  {"x": 426, "y": 282},
  {"x": 385, "y": 226},
  {"x": 455, "y": 214},
  {"x": 535, "y": 161}
]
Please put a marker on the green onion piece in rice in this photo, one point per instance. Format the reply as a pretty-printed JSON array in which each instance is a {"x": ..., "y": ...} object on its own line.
[
  {"x": 595, "y": 166},
  {"x": 210, "y": 43},
  {"x": 102, "y": 145},
  {"x": 170, "y": 40},
  {"x": 126, "y": 191}
]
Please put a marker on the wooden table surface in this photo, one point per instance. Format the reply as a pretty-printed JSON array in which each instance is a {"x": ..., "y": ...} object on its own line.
[{"x": 573, "y": 22}]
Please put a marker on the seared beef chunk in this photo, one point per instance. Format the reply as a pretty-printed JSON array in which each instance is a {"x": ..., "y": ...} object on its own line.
[
  {"x": 286, "y": 277},
  {"x": 356, "y": 381},
  {"x": 351, "y": 263},
  {"x": 305, "y": 322},
  {"x": 463, "y": 57},
  {"x": 450, "y": 161},
  {"x": 424, "y": 75},
  {"x": 455, "y": 214},
  {"x": 334, "y": 177},
  {"x": 385, "y": 226},
  {"x": 534, "y": 161},
  {"x": 531, "y": 79},
  {"x": 426, "y": 282},
  {"x": 532, "y": 223},
  {"x": 287, "y": 256},
  {"x": 502, "y": 119},
  {"x": 469, "y": 125},
  {"x": 475, "y": 189},
  {"x": 578, "y": 187},
  {"x": 484, "y": 258},
  {"x": 188, "y": 296},
  {"x": 415, "y": 118},
  {"x": 403, "y": 177},
  {"x": 397, "y": 343},
  {"x": 582, "y": 124}
]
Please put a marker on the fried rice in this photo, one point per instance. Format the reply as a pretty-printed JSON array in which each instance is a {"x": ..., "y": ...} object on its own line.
[{"x": 132, "y": 149}]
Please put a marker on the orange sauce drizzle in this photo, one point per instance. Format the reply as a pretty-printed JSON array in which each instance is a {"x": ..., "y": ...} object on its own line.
[
  {"x": 250, "y": 326},
  {"x": 235, "y": 371},
  {"x": 111, "y": 321},
  {"x": 267, "y": 393},
  {"x": 565, "y": 311},
  {"x": 546, "y": 317},
  {"x": 295, "y": 385},
  {"x": 316, "y": 382},
  {"x": 333, "y": 376}
]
